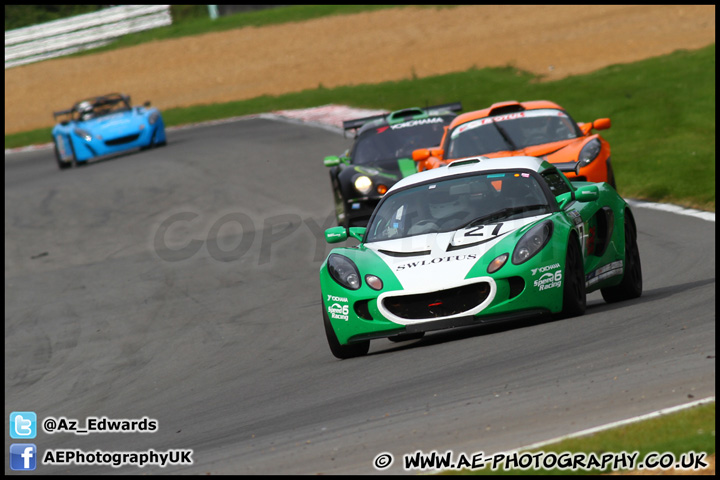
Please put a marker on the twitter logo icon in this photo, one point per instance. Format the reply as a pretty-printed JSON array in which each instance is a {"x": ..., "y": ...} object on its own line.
[{"x": 23, "y": 425}]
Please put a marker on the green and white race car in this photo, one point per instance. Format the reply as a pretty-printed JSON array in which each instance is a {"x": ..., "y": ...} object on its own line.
[{"x": 477, "y": 241}]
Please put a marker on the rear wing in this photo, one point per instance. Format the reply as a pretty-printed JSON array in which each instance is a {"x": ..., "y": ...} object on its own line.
[
  {"x": 62, "y": 112},
  {"x": 434, "y": 110}
]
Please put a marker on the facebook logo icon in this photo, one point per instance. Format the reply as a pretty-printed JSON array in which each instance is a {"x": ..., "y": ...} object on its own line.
[
  {"x": 22, "y": 456},
  {"x": 23, "y": 425}
]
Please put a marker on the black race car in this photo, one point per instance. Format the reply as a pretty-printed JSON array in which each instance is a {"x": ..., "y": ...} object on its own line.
[{"x": 380, "y": 156}]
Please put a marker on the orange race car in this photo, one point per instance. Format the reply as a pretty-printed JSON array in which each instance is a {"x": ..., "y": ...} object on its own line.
[{"x": 538, "y": 128}]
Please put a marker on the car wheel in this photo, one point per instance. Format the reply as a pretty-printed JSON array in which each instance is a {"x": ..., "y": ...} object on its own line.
[
  {"x": 342, "y": 351},
  {"x": 404, "y": 337},
  {"x": 61, "y": 165},
  {"x": 154, "y": 143},
  {"x": 632, "y": 284},
  {"x": 574, "y": 299}
]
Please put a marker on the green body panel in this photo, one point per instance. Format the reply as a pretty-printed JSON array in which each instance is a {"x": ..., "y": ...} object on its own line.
[
  {"x": 616, "y": 248},
  {"x": 407, "y": 166},
  {"x": 344, "y": 329}
]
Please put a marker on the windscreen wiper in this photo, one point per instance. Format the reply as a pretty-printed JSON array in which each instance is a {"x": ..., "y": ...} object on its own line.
[
  {"x": 505, "y": 135},
  {"x": 503, "y": 212}
]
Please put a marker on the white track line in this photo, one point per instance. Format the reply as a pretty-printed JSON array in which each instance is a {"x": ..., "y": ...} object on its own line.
[{"x": 620, "y": 423}]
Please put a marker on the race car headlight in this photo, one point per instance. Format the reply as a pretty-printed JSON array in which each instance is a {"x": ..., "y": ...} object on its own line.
[
  {"x": 153, "y": 118},
  {"x": 84, "y": 134},
  {"x": 363, "y": 184},
  {"x": 589, "y": 152},
  {"x": 344, "y": 271},
  {"x": 532, "y": 242}
]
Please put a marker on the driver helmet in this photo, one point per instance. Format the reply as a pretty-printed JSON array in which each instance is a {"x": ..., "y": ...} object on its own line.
[{"x": 86, "y": 110}]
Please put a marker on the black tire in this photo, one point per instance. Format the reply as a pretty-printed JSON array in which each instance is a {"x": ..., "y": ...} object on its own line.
[
  {"x": 61, "y": 165},
  {"x": 342, "y": 351},
  {"x": 631, "y": 285},
  {"x": 404, "y": 337},
  {"x": 574, "y": 298}
]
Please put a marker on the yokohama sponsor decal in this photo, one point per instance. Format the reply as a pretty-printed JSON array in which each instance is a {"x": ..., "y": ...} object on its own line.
[{"x": 415, "y": 123}]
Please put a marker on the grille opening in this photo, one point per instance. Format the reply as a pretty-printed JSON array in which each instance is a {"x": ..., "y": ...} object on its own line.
[
  {"x": 362, "y": 310},
  {"x": 517, "y": 285},
  {"x": 122, "y": 140},
  {"x": 438, "y": 304}
]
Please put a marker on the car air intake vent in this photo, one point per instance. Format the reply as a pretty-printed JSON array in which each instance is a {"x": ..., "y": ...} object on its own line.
[
  {"x": 506, "y": 109},
  {"x": 122, "y": 140},
  {"x": 405, "y": 254},
  {"x": 437, "y": 304}
]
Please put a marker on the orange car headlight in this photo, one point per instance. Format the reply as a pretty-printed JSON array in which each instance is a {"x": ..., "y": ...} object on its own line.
[{"x": 589, "y": 152}]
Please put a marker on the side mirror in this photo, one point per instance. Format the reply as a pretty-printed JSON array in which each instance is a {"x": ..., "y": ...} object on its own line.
[
  {"x": 563, "y": 199},
  {"x": 357, "y": 232},
  {"x": 421, "y": 154},
  {"x": 332, "y": 161},
  {"x": 336, "y": 235},
  {"x": 601, "y": 124},
  {"x": 587, "y": 194}
]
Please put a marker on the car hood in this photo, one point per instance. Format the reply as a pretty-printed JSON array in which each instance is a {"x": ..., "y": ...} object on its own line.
[
  {"x": 441, "y": 260},
  {"x": 112, "y": 123},
  {"x": 563, "y": 151}
]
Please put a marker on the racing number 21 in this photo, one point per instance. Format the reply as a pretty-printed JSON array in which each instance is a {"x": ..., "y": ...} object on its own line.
[{"x": 475, "y": 232}]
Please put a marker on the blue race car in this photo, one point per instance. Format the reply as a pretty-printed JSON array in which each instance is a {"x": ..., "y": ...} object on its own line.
[{"x": 105, "y": 125}]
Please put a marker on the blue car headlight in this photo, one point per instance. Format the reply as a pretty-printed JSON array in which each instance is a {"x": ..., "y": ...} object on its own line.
[
  {"x": 343, "y": 271},
  {"x": 532, "y": 242},
  {"x": 84, "y": 134},
  {"x": 589, "y": 152},
  {"x": 153, "y": 118}
]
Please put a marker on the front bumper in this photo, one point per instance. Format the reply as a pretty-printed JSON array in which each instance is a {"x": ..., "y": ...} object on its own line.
[
  {"x": 519, "y": 292},
  {"x": 107, "y": 145}
]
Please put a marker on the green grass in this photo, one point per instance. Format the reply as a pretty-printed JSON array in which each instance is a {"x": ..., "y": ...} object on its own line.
[
  {"x": 690, "y": 430},
  {"x": 662, "y": 111}
]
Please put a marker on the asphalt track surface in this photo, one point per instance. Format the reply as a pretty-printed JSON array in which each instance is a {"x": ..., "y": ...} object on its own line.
[{"x": 181, "y": 284}]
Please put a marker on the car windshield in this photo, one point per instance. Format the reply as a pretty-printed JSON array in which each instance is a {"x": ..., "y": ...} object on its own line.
[
  {"x": 513, "y": 131},
  {"x": 391, "y": 142},
  {"x": 455, "y": 203}
]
